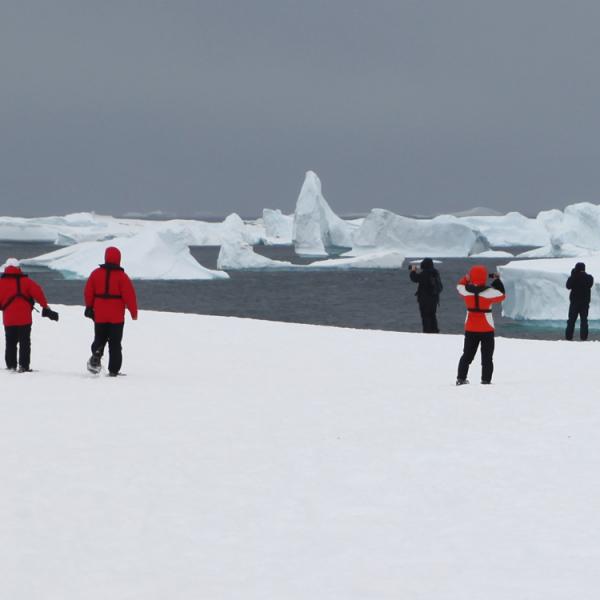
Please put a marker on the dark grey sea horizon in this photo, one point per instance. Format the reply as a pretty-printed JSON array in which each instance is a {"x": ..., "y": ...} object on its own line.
[{"x": 375, "y": 299}]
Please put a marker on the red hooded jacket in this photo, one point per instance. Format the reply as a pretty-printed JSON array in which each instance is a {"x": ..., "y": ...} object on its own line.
[
  {"x": 18, "y": 293},
  {"x": 479, "y": 297},
  {"x": 109, "y": 290}
]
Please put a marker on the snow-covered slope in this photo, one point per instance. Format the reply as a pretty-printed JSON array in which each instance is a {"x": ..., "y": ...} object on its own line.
[
  {"x": 147, "y": 255},
  {"x": 221, "y": 472},
  {"x": 316, "y": 227},
  {"x": 536, "y": 288},
  {"x": 442, "y": 236}
]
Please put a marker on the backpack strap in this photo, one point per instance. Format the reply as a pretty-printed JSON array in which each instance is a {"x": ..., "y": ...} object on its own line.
[
  {"x": 107, "y": 295},
  {"x": 476, "y": 290},
  {"x": 18, "y": 294}
]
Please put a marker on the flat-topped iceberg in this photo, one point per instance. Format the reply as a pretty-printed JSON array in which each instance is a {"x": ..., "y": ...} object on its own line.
[
  {"x": 66, "y": 230},
  {"x": 536, "y": 289},
  {"x": 493, "y": 254},
  {"x": 83, "y": 227},
  {"x": 147, "y": 255},
  {"x": 512, "y": 229},
  {"x": 317, "y": 229},
  {"x": 384, "y": 259},
  {"x": 238, "y": 256},
  {"x": 441, "y": 236}
]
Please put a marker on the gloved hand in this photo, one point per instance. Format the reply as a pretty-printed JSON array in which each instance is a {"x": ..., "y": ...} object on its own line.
[
  {"x": 49, "y": 313},
  {"x": 89, "y": 312}
]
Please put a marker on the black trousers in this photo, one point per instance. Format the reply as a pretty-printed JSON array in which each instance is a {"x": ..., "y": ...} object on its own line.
[
  {"x": 21, "y": 335},
  {"x": 472, "y": 341},
  {"x": 111, "y": 333},
  {"x": 428, "y": 308},
  {"x": 577, "y": 309}
]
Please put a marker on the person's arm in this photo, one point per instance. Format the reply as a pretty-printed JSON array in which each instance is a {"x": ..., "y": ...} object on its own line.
[
  {"x": 498, "y": 286},
  {"x": 570, "y": 282},
  {"x": 461, "y": 285},
  {"x": 590, "y": 281},
  {"x": 129, "y": 297},
  {"x": 89, "y": 292},
  {"x": 414, "y": 276},
  {"x": 37, "y": 293}
]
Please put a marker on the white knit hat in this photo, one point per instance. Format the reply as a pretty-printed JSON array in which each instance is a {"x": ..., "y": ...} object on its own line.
[{"x": 12, "y": 262}]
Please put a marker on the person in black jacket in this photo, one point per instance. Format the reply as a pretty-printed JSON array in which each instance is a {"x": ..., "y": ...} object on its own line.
[
  {"x": 580, "y": 283},
  {"x": 428, "y": 293}
]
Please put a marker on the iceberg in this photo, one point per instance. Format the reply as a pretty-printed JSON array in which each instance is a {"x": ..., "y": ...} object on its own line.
[
  {"x": 83, "y": 227},
  {"x": 535, "y": 289},
  {"x": 317, "y": 229},
  {"x": 493, "y": 254},
  {"x": 578, "y": 225},
  {"x": 385, "y": 259},
  {"x": 556, "y": 249},
  {"x": 441, "y": 236},
  {"x": 512, "y": 229},
  {"x": 279, "y": 228},
  {"x": 237, "y": 255},
  {"x": 203, "y": 233},
  {"x": 146, "y": 255}
]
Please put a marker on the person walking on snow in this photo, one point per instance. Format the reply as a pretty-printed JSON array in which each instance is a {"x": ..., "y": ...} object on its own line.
[
  {"x": 479, "y": 325},
  {"x": 108, "y": 291},
  {"x": 18, "y": 294},
  {"x": 428, "y": 293},
  {"x": 580, "y": 283}
]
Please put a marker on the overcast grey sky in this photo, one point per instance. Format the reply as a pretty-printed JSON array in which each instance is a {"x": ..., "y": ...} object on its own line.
[{"x": 211, "y": 106}]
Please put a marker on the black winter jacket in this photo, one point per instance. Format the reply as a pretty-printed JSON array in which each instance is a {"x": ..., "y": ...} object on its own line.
[
  {"x": 580, "y": 283},
  {"x": 427, "y": 287}
]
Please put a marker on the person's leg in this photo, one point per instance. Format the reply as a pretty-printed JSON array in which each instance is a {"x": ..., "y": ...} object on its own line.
[
  {"x": 487, "y": 355},
  {"x": 573, "y": 312},
  {"x": 428, "y": 306},
  {"x": 10, "y": 350},
  {"x": 424, "y": 321},
  {"x": 115, "y": 356},
  {"x": 24, "y": 333},
  {"x": 583, "y": 321},
  {"x": 101, "y": 332},
  {"x": 434, "y": 323},
  {"x": 469, "y": 351}
]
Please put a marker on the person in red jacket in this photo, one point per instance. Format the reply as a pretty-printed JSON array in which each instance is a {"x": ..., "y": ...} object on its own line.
[
  {"x": 18, "y": 294},
  {"x": 479, "y": 325},
  {"x": 107, "y": 293}
]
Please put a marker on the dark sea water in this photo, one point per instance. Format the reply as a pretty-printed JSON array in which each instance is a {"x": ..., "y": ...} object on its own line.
[{"x": 378, "y": 299}]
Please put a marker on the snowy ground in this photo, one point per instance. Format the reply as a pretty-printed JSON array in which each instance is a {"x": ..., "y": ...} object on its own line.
[{"x": 251, "y": 460}]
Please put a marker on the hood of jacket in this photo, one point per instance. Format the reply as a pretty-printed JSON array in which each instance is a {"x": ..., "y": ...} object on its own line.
[
  {"x": 478, "y": 275},
  {"x": 10, "y": 270},
  {"x": 426, "y": 264},
  {"x": 112, "y": 256}
]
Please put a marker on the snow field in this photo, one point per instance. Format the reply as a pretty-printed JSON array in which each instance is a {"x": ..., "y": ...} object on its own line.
[{"x": 248, "y": 459}]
